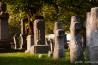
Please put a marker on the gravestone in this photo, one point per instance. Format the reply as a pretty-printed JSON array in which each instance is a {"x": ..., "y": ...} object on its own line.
[
  {"x": 51, "y": 50},
  {"x": 57, "y": 25},
  {"x": 39, "y": 36},
  {"x": 88, "y": 32},
  {"x": 30, "y": 37},
  {"x": 23, "y": 34},
  {"x": 4, "y": 32},
  {"x": 39, "y": 31},
  {"x": 59, "y": 44},
  {"x": 76, "y": 40},
  {"x": 30, "y": 42},
  {"x": 16, "y": 44},
  {"x": 92, "y": 36}
]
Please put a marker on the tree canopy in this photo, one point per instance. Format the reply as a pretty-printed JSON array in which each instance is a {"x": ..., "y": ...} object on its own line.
[{"x": 50, "y": 9}]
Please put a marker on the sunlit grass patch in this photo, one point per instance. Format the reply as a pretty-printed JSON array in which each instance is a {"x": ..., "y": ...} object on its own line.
[{"x": 30, "y": 59}]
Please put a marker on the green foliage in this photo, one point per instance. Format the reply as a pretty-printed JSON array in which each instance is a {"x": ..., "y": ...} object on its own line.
[
  {"x": 52, "y": 10},
  {"x": 14, "y": 20}
]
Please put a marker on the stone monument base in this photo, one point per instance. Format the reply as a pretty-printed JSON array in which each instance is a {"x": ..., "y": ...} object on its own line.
[
  {"x": 39, "y": 49},
  {"x": 5, "y": 44}
]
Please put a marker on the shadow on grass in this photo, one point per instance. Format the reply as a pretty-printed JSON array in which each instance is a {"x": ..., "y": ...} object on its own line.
[
  {"x": 33, "y": 61},
  {"x": 29, "y": 61}
]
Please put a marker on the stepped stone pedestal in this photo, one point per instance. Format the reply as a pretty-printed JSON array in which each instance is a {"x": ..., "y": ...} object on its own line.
[{"x": 40, "y": 49}]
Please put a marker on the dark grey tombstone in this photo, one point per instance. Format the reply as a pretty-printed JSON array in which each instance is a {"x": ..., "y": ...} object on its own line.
[
  {"x": 39, "y": 36},
  {"x": 4, "y": 32},
  {"x": 39, "y": 31},
  {"x": 59, "y": 44},
  {"x": 76, "y": 40}
]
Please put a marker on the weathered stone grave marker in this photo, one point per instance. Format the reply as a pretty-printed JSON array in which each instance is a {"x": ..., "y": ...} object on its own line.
[
  {"x": 58, "y": 49},
  {"x": 59, "y": 44},
  {"x": 30, "y": 37},
  {"x": 88, "y": 32},
  {"x": 4, "y": 32},
  {"x": 16, "y": 41},
  {"x": 39, "y": 36},
  {"x": 92, "y": 36},
  {"x": 76, "y": 40}
]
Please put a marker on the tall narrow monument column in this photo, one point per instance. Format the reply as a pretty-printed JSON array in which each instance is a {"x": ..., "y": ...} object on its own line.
[
  {"x": 59, "y": 44},
  {"x": 76, "y": 40},
  {"x": 39, "y": 31},
  {"x": 4, "y": 33},
  {"x": 23, "y": 34}
]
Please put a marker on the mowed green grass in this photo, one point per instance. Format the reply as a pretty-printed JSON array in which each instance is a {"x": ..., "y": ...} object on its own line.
[{"x": 29, "y": 59}]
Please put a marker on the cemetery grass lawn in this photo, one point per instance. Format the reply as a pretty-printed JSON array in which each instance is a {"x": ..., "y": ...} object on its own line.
[{"x": 29, "y": 59}]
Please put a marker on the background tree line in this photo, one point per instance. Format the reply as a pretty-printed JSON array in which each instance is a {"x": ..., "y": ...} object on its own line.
[{"x": 50, "y": 9}]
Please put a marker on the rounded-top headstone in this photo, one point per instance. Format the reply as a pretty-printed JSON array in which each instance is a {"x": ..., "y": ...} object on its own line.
[
  {"x": 58, "y": 25},
  {"x": 75, "y": 18}
]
